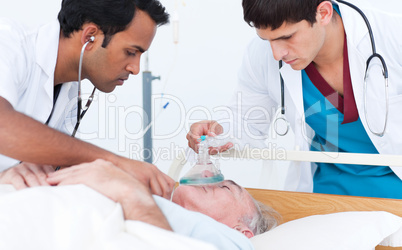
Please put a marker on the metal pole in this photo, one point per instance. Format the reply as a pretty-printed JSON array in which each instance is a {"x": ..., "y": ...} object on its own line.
[
  {"x": 147, "y": 79},
  {"x": 147, "y": 107}
]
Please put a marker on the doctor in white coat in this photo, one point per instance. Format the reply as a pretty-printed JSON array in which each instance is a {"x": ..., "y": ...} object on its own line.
[
  {"x": 323, "y": 40},
  {"x": 39, "y": 70}
]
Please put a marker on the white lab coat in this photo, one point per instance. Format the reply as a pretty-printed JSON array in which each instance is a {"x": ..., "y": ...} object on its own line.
[
  {"x": 259, "y": 85},
  {"x": 27, "y": 64}
]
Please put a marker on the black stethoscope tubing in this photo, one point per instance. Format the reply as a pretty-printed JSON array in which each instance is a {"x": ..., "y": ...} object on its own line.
[{"x": 81, "y": 111}]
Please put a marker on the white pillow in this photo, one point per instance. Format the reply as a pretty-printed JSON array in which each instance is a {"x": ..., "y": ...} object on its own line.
[{"x": 346, "y": 230}]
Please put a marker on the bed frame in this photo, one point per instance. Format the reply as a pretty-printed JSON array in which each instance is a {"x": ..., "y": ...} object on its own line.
[{"x": 296, "y": 205}]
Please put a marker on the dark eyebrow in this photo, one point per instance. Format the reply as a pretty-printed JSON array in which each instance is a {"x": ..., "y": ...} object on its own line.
[
  {"x": 279, "y": 38},
  {"x": 236, "y": 185},
  {"x": 139, "y": 48}
]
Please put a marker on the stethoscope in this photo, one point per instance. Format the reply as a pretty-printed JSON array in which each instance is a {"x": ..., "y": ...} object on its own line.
[
  {"x": 81, "y": 111},
  {"x": 281, "y": 124}
]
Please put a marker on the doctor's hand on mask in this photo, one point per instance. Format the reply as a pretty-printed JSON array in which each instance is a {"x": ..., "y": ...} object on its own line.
[
  {"x": 209, "y": 128},
  {"x": 26, "y": 175}
]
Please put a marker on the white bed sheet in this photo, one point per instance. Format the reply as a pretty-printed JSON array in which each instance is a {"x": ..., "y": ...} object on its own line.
[{"x": 76, "y": 217}]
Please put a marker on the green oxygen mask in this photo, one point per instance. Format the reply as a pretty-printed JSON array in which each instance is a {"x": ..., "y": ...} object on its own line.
[{"x": 204, "y": 171}]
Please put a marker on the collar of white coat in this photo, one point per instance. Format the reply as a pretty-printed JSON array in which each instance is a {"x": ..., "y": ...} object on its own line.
[
  {"x": 353, "y": 23},
  {"x": 47, "y": 45}
]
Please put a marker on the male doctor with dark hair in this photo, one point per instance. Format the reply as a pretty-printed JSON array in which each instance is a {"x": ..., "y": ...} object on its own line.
[
  {"x": 98, "y": 40},
  {"x": 325, "y": 47}
]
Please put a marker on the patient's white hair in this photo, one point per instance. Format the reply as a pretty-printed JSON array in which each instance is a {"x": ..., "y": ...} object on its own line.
[{"x": 263, "y": 219}]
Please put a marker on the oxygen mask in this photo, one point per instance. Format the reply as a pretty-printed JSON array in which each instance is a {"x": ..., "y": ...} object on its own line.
[{"x": 204, "y": 171}]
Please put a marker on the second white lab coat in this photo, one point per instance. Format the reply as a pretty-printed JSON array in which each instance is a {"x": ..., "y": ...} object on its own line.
[
  {"x": 259, "y": 85},
  {"x": 27, "y": 64}
]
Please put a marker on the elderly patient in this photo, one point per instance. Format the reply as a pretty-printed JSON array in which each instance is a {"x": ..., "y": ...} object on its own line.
[{"x": 226, "y": 202}]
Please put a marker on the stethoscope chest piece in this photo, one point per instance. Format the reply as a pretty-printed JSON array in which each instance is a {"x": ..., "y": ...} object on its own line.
[{"x": 281, "y": 125}]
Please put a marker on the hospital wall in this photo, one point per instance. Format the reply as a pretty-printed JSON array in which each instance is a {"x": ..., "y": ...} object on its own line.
[{"x": 198, "y": 75}]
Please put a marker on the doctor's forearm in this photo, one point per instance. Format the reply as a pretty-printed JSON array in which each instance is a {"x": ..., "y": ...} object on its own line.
[{"x": 25, "y": 139}]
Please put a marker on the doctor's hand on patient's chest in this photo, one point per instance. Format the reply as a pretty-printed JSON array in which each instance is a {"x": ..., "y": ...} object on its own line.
[
  {"x": 102, "y": 176},
  {"x": 149, "y": 175},
  {"x": 26, "y": 175},
  {"x": 118, "y": 185}
]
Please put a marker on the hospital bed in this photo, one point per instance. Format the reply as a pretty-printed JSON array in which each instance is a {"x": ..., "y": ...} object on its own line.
[{"x": 295, "y": 207}]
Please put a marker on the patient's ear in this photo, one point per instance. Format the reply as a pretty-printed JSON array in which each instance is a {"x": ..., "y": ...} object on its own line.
[{"x": 244, "y": 230}]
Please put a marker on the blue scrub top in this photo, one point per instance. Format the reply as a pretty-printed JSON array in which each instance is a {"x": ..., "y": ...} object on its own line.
[{"x": 333, "y": 136}]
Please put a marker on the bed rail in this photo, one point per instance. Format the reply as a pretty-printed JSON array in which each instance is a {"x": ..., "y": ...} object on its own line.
[{"x": 313, "y": 156}]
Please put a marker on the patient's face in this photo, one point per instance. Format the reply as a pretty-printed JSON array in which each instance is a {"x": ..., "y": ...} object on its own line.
[{"x": 225, "y": 202}]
